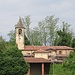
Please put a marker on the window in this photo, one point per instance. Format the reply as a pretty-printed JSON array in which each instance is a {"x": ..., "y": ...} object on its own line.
[
  {"x": 50, "y": 51},
  {"x": 28, "y": 54},
  {"x": 20, "y": 31},
  {"x": 60, "y": 52}
]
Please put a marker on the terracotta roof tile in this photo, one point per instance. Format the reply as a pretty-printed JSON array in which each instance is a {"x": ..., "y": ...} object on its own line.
[
  {"x": 36, "y": 60},
  {"x": 60, "y": 48},
  {"x": 35, "y": 48}
]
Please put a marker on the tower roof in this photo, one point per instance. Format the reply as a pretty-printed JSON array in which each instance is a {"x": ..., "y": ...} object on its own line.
[{"x": 19, "y": 24}]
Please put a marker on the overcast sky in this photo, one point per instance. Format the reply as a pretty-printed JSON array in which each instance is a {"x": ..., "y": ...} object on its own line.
[{"x": 10, "y": 10}]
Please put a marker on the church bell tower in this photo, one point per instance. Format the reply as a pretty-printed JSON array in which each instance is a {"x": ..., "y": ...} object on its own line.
[{"x": 19, "y": 28}]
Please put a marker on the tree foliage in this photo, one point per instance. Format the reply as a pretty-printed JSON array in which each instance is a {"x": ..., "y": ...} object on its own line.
[
  {"x": 26, "y": 22},
  {"x": 12, "y": 40},
  {"x": 35, "y": 36},
  {"x": 64, "y": 36},
  {"x": 44, "y": 33},
  {"x": 2, "y": 44},
  {"x": 12, "y": 61},
  {"x": 26, "y": 41},
  {"x": 51, "y": 69},
  {"x": 69, "y": 63},
  {"x": 59, "y": 70},
  {"x": 47, "y": 32},
  {"x": 12, "y": 37},
  {"x": 73, "y": 43},
  {"x": 51, "y": 25}
]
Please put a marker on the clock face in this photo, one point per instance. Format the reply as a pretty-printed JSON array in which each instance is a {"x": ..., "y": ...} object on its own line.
[{"x": 20, "y": 31}]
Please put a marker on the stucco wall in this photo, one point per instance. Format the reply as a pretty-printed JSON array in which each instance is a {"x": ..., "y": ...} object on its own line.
[
  {"x": 64, "y": 52},
  {"x": 52, "y": 53},
  {"x": 20, "y": 38},
  {"x": 41, "y": 55},
  {"x": 27, "y": 52}
]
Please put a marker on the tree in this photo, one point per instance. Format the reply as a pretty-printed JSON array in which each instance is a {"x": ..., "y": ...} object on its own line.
[
  {"x": 64, "y": 36},
  {"x": 12, "y": 62},
  {"x": 46, "y": 31},
  {"x": 69, "y": 63},
  {"x": 42, "y": 33},
  {"x": 26, "y": 22},
  {"x": 73, "y": 43},
  {"x": 57, "y": 39},
  {"x": 12, "y": 37},
  {"x": 51, "y": 69},
  {"x": 51, "y": 26},
  {"x": 2, "y": 44},
  {"x": 35, "y": 36},
  {"x": 26, "y": 41}
]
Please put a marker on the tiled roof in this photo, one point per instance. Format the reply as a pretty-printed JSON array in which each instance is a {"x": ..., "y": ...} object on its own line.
[
  {"x": 61, "y": 48},
  {"x": 19, "y": 24},
  {"x": 35, "y": 48},
  {"x": 36, "y": 60}
]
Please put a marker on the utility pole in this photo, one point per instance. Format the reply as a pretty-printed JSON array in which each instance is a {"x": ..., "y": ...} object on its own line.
[{"x": 53, "y": 67}]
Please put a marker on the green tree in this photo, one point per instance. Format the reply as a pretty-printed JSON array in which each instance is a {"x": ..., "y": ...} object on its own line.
[
  {"x": 26, "y": 41},
  {"x": 35, "y": 36},
  {"x": 69, "y": 63},
  {"x": 57, "y": 39},
  {"x": 59, "y": 70},
  {"x": 12, "y": 62},
  {"x": 42, "y": 33},
  {"x": 73, "y": 43},
  {"x": 2, "y": 44},
  {"x": 64, "y": 36},
  {"x": 26, "y": 22},
  {"x": 12, "y": 40},
  {"x": 51, "y": 27},
  {"x": 12, "y": 37},
  {"x": 51, "y": 69},
  {"x": 45, "y": 31}
]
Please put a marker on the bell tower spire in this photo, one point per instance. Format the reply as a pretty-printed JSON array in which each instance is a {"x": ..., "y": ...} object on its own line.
[{"x": 20, "y": 34}]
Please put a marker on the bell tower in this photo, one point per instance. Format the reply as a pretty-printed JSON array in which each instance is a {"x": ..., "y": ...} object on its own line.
[{"x": 19, "y": 28}]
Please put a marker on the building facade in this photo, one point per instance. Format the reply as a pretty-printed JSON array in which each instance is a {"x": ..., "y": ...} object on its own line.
[{"x": 39, "y": 57}]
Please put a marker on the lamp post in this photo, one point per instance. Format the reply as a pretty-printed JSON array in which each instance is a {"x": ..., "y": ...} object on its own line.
[
  {"x": 53, "y": 67},
  {"x": 53, "y": 63}
]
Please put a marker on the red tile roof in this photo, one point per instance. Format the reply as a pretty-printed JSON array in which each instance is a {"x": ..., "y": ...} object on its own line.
[
  {"x": 61, "y": 48},
  {"x": 36, "y": 60},
  {"x": 35, "y": 48}
]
